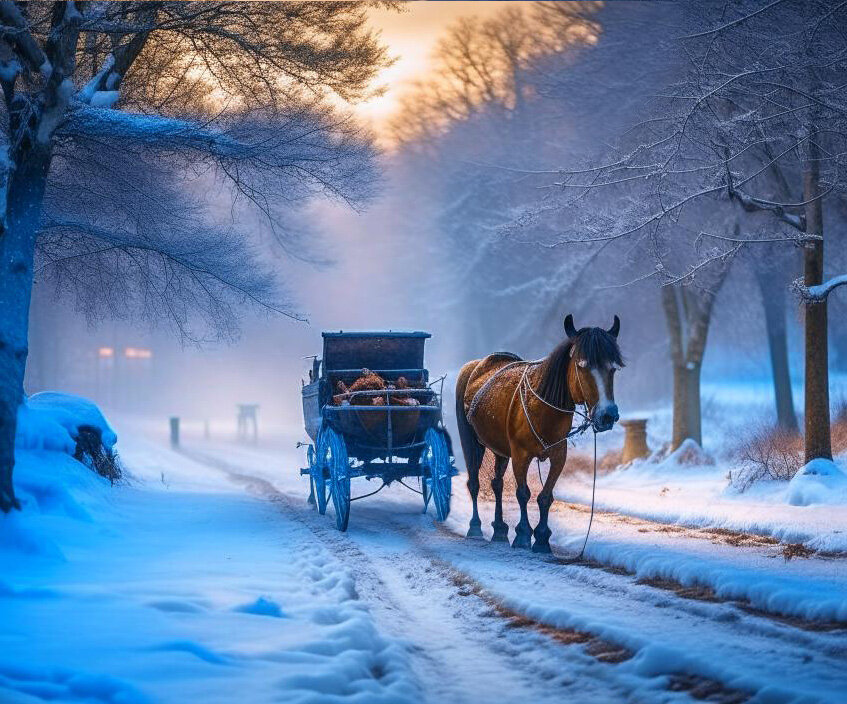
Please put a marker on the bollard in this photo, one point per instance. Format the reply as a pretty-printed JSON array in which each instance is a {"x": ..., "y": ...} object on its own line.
[
  {"x": 174, "y": 431},
  {"x": 635, "y": 440}
]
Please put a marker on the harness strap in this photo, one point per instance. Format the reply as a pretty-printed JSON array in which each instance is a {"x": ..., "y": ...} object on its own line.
[
  {"x": 520, "y": 391},
  {"x": 522, "y": 386},
  {"x": 479, "y": 395}
]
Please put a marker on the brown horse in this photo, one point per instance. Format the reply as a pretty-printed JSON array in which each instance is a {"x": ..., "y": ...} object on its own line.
[{"x": 521, "y": 410}]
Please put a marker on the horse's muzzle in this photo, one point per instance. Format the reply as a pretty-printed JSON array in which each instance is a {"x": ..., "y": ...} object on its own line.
[{"x": 605, "y": 418}]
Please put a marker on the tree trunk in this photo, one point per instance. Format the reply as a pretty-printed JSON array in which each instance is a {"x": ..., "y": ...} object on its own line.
[
  {"x": 818, "y": 442},
  {"x": 688, "y": 314},
  {"x": 774, "y": 305},
  {"x": 17, "y": 253},
  {"x": 686, "y": 405}
]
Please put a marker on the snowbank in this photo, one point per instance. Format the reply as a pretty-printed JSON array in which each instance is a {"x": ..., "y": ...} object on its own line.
[
  {"x": 699, "y": 496},
  {"x": 819, "y": 482},
  {"x": 802, "y": 596},
  {"x": 176, "y": 588},
  {"x": 51, "y": 421}
]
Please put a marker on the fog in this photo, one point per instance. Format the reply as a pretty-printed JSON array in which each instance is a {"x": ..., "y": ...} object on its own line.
[{"x": 462, "y": 240}]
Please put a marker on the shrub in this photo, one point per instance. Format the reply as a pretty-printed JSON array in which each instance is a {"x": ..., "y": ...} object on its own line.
[
  {"x": 839, "y": 426},
  {"x": 91, "y": 451},
  {"x": 769, "y": 454}
]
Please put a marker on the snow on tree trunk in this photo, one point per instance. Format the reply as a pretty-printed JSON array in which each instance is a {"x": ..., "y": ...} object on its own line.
[
  {"x": 818, "y": 442},
  {"x": 17, "y": 250}
]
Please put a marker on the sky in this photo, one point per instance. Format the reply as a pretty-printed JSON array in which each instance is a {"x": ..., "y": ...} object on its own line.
[{"x": 411, "y": 36}]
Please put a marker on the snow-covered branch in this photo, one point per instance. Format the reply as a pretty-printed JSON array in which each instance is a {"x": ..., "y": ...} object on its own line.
[
  {"x": 819, "y": 293},
  {"x": 17, "y": 33}
]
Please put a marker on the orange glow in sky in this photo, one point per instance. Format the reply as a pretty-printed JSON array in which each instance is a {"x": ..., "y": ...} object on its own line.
[{"x": 411, "y": 37}]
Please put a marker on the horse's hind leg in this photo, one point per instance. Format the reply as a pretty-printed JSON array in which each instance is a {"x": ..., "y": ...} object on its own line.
[
  {"x": 475, "y": 526},
  {"x": 472, "y": 448},
  {"x": 523, "y": 533},
  {"x": 501, "y": 528},
  {"x": 542, "y": 531}
]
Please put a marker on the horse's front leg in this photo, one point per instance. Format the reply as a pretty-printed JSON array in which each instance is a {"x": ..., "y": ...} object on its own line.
[
  {"x": 542, "y": 531},
  {"x": 523, "y": 533},
  {"x": 501, "y": 528}
]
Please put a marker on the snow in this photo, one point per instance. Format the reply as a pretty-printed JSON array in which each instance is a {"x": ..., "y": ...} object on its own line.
[
  {"x": 821, "y": 481},
  {"x": 176, "y": 587},
  {"x": 699, "y": 496},
  {"x": 821, "y": 291},
  {"x": 104, "y": 98},
  {"x": 51, "y": 421},
  {"x": 179, "y": 585},
  {"x": 666, "y": 634}
]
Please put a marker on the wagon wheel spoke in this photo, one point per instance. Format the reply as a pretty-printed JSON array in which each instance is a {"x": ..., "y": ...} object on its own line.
[
  {"x": 333, "y": 456},
  {"x": 438, "y": 471},
  {"x": 317, "y": 474}
]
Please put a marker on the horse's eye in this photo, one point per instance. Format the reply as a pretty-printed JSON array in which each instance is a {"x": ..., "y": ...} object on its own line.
[{"x": 582, "y": 363}]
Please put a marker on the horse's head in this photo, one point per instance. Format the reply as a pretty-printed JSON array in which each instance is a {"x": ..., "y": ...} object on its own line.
[{"x": 594, "y": 359}]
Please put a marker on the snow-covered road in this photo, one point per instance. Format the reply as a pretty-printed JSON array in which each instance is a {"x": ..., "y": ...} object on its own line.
[
  {"x": 484, "y": 622},
  {"x": 207, "y": 577}
]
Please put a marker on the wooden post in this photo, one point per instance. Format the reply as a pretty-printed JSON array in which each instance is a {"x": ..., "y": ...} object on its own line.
[
  {"x": 174, "y": 432},
  {"x": 635, "y": 441}
]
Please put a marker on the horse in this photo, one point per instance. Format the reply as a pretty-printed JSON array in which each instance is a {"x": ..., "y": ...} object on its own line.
[{"x": 522, "y": 410}]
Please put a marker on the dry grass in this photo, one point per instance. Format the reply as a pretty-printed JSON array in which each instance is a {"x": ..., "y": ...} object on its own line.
[
  {"x": 775, "y": 454},
  {"x": 770, "y": 454},
  {"x": 839, "y": 426}
]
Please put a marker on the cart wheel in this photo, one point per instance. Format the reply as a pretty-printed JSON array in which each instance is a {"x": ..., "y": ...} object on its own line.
[
  {"x": 317, "y": 473},
  {"x": 332, "y": 454},
  {"x": 437, "y": 472},
  {"x": 425, "y": 492}
]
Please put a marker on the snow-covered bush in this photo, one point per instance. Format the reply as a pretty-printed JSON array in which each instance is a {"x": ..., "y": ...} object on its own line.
[
  {"x": 71, "y": 425},
  {"x": 770, "y": 454},
  {"x": 821, "y": 481}
]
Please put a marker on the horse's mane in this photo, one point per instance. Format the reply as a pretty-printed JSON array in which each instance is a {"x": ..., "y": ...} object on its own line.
[{"x": 595, "y": 345}]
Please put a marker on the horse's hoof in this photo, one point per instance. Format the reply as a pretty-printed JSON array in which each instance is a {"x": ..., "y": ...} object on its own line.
[
  {"x": 474, "y": 532},
  {"x": 501, "y": 532},
  {"x": 543, "y": 547},
  {"x": 522, "y": 541}
]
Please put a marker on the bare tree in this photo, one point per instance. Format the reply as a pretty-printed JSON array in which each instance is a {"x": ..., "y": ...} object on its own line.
[
  {"x": 481, "y": 65},
  {"x": 226, "y": 91},
  {"x": 763, "y": 89}
]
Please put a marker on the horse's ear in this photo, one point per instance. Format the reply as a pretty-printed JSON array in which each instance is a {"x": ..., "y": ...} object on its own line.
[
  {"x": 570, "y": 330},
  {"x": 616, "y": 327}
]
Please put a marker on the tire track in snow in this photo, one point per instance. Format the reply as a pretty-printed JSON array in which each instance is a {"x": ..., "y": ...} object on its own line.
[
  {"x": 466, "y": 642},
  {"x": 463, "y": 648}
]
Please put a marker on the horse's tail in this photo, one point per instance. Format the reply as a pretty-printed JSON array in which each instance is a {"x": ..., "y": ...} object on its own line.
[{"x": 472, "y": 448}]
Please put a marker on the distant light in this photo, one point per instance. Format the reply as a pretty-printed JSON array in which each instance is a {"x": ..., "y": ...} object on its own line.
[
  {"x": 105, "y": 352},
  {"x": 138, "y": 353}
]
